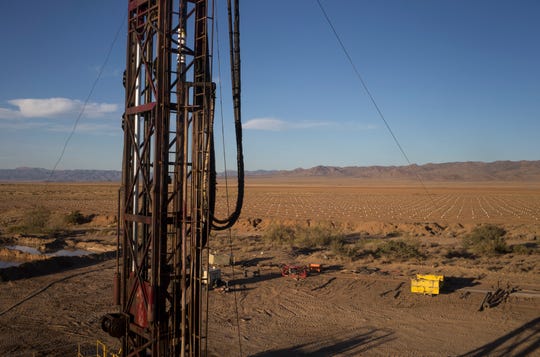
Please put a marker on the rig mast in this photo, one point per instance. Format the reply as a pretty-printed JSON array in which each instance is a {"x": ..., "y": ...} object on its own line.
[{"x": 168, "y": 184}]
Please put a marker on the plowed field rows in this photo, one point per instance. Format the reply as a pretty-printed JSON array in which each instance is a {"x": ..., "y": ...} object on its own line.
[
  {"x": 457, "y": 204},
  {"x": 330, "y": 200}
]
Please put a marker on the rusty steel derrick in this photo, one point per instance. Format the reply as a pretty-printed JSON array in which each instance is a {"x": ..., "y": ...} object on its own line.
[{"x": 168, "y": 180}]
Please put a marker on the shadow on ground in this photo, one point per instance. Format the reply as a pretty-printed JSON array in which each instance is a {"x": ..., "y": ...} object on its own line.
[
  {"x": 451, "y": 284},
  {"x": 355, "y": 345},
  {"x": 252, "y": 262},
  {"x": 254, "y": 279},
  {"x": 523, "y": 341},
  {"x": 52, "y": 265}
]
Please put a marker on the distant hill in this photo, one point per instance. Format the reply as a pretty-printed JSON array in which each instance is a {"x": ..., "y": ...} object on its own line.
[
  {"x": 454, "y": 171},
  {"x": 38, "y": 174},
  {"x": 526, "y": 171}
]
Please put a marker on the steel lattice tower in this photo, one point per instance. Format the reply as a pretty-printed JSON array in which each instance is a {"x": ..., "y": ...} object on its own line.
[{"x": 167, "y": 200}]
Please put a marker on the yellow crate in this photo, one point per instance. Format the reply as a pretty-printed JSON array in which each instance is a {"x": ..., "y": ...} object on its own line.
[
  {"x": 427, "y": 284},
  {"x": 430, "y": 277}
]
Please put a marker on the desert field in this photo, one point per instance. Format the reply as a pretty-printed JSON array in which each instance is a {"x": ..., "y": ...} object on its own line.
[
  {"x": 347, "y": 200},
  {"x": 370, "y": 237}
]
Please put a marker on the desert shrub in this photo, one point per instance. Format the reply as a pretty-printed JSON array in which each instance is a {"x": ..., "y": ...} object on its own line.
[
  {"x": 278, "y": 233},
  {"x": 524, "y": 249},
  {"x": 393, "y": 234},
  {"x": 486, "y": 239},
  {"x": 340, "y": 248},
  {"x": 459, "y": 253},
  {"x": 398, "y": 249},
  {"x": 315, "y": 237},
  {"x": 37, "y": 219},
  {"x": 350, "y": 250},
  {"x": 34, "y": 221},
  {"x": 75, "y": 218},
  {"x": 305, "y": 237}
]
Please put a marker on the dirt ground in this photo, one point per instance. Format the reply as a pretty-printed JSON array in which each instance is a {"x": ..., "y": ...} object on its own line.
[{"x": 354, "y": 306}]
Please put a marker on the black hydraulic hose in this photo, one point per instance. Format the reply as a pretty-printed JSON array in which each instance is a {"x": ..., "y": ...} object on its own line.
[{"x": 234, "y": 40}]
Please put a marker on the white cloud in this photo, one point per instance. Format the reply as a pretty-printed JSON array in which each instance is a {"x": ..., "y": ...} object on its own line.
[
  {"x": 9, "y": 113},
  {"x": 272, "y": 124},
  {"x": 54, "y": 107},
  {"x": 265, "y": 124},
  {"x": 35, "y": 108},
  {"x": 22, "y": 125},
  {"x": 309, "y": 124},
  {"x": 83, "y": 127},
  {"x": 358, "y": 126}
]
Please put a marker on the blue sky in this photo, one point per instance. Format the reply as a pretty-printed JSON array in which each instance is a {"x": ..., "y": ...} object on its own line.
[{"x": 456, "y": 80}]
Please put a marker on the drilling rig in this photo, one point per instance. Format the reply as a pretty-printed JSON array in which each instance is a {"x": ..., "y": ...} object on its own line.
[{"x": 167, "y": 198}]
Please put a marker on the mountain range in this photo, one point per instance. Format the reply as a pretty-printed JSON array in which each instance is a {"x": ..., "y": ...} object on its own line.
[
  {"x": 527, "y": 171},
  {"x": 453, "y": 171},
  {"x": 39, "y": 174}
]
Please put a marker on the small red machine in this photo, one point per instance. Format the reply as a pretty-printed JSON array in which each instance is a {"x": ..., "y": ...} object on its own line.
[{"x": 294, "y": 271}]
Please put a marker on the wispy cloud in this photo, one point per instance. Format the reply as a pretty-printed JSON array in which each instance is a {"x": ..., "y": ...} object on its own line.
[
  {"x": 89, "y": 128},
  {"x": 22, "y": 125},
  {"x": 9, "y": 114},
  {"x": 54, "y": 108},
  {"x": 272, "y": 124},
  {"x": 358, "y": 126},
  {"x": 85, "y": 127},
  {"x": 265, "y": 124}
]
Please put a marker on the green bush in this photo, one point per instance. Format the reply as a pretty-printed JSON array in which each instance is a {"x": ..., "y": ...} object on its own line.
[
  {"x": 75, "y": 218},
  {"x": 338, "y": 247},
  {"x": 487, "y": 239},
  {"x": 314, "y": 237},
  {"x": 458, "y": 253},
  {"x": 523, "y": 249},
  {"x": 38, "y": 218},
  {"x": 398, "y": 249},
  {"x": 320, "y": 237},
  {"x": 305, "y": 237},
  {"x": 35, "y": 221},
  {"x": 279, "y": 234}
]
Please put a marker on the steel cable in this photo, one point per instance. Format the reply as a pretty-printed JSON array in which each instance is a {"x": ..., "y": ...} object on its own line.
[
  {"x": 229, "y": 233},
  {"x": 368, "y": 92},
  {"x": 83, "y": 108}
]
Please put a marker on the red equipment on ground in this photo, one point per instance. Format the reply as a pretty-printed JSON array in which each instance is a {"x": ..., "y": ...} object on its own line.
[{"x": 294, "y": 271}]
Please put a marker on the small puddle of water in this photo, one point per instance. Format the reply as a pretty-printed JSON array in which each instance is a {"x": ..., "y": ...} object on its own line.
[
  {"x": 32, "y": 250},
  {"x": 71, "y": 253},
  {"x": 9, "y": 264},
  {"x": 59, "y": 253},
  {"x": 24, "y": 248}
]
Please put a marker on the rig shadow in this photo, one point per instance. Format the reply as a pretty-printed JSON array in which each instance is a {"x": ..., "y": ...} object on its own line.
[
  {"x": 451, "y": 284},
  {"x": 523, "y": 341},
  {"x": 53, "y": 265},
  {"x": 354, "y": 345}
]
